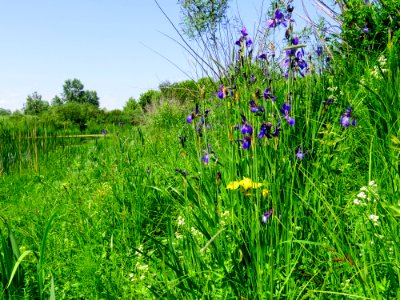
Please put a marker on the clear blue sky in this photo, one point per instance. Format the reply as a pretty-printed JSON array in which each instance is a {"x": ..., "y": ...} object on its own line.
[{"x": 104, "y": 43}]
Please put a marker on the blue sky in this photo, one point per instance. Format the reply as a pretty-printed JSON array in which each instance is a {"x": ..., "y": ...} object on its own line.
[{"x": 104, "y": 43}]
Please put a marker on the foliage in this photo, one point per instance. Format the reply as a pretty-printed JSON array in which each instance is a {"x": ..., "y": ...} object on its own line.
[
  {"x": 202, "y": 17},
  {"x": 35, "y": 105},
  {"x": 148, "y": 98},
  {"x": 183, "y": 91},
  {"x": 367, "y": 27},
  {"x": 5, "y": 112},
  {"x": 133, "y": 112},
  {"x": 73, "y": 91}
]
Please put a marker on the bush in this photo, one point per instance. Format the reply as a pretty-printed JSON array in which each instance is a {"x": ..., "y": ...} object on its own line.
[{"x": 367, "y": 28}]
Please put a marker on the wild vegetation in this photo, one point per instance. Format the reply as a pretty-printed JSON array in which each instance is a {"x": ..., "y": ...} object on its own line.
[{"x": 278, "y": 178}]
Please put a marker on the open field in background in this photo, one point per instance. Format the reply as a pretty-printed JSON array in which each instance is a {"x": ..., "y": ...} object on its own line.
[{"x": 264, "y": 187}]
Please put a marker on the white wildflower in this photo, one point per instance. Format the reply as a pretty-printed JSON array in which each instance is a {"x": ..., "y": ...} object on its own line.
[
  {"x": 178, "y": 236},
  {"x": 181, "y": 221},
  {"x": 359, "y": 202},
  {"x": 374, "y": 219},
  {"x": 225, "y": 214},
  {"x": 140, "y": 249},
  {"x": 362, "y": 195},
  {"x": 372, "y": 183},
  {"x": 142, "y": 267},
  {"x": 195, "y": 232},
  {"x": 382, "y": 61}
]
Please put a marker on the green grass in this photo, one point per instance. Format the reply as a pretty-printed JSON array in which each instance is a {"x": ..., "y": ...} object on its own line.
[{"x": 115, "y": 219}]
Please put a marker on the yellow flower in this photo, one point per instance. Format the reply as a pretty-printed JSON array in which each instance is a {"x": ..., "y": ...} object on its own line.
[
  {"x": 264, "y": 193},
  {"x": 233, "y": 185},
  {"x": 246, "y": 183}
]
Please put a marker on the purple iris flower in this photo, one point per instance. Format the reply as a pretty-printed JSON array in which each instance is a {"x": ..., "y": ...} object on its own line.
[
  {"x": 347, "y": 118},
  {"x": 328, "y": 101},
  {"x": 262, "y": 56},
  {"x": 278, "y": 19},
  {"x": 246, "y": 142},
  {"x": 221, "y": 92},
  {"x": 278, "y": 14},
  {"x": 253, "y": 106},
  {"x": 365, "y": 29},
  {"x": 271, "y": 23},
  {"x": 246, "y": 129},
  {"x": 244, "y": 37},
  {"x": 205, "y": 158},
  {"x": 290, "y": 52},
  {"x": 295, "y": 41},
  {"x": 302, "y": 64},
  {"x": 265, "y": 131},
  {"x": 249, "y": 42},
  {"x": 285, "y": 110},
  {"x": 300, "y": 53},
  {"x": 193, "y": 114},
  {"x": 286, "y": 63},
  {"x": 319, "y": 50},
  {"x": 300, "y": 153},
  {"x": 290, "y": 120},
  {"x": 268, "y": 94},
  {"x": 267, "y": 215}
]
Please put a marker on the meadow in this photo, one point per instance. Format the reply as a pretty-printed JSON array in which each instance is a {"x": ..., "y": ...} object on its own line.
[{"x": 264, "y": 187}]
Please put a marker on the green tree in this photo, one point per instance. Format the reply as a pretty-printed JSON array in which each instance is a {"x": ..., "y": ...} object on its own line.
[
  {"x": 73, "y": 91},
  {"x": 57, "y": 101},
  {"x": 35, "y": 105},
  {"x": 148, "y": 98},
  {"x": 182, "y": 91},
  {"x": 91, "y": 97},
  {"x": 131, "y": 106},
  {"x": 367, "y": 27},
  {"x": 78, "y": 114},
  {"x": 5, "y": 112},
  {"x": 133, "y": 112},
  {"x": 202, "y": 17}
]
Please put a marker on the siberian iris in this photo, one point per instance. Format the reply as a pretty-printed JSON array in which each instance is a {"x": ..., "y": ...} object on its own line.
[
  {"x": 267, "y": 215},
  {"x": 347, "y": 118}
]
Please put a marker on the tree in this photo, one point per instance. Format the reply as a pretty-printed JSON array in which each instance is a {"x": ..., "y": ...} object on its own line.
[
  {"x": 182, "y": 91},
  {"x": 202, "y": 16},
  {"x": 149, "y": 97},
  {"x": 57, "y": 101},
  {"x": 131, "y": 106},
  {"x": 73, "y": 91},
  {"x": 5, "y": 112},
  {"x": 91, "y": 97},
  {"x": 35, "y": 105},
  {"x": 367, "y": 26}
]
